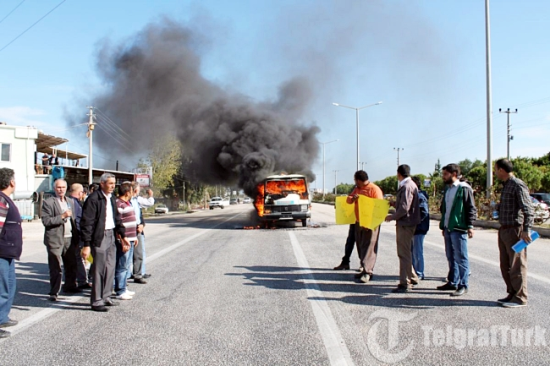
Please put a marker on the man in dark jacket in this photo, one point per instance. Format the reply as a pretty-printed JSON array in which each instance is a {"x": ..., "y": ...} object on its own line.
[
  {"x": 99, "y": 226},
  {"x": 407, "y": 216},
  {"x": 458, "y": 213},
  {"x": 11, "y": 246},
  {"x": 421, "y": 231}
]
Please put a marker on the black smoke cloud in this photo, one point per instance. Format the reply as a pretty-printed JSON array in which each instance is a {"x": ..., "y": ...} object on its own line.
[{"x": 153, "y": 86}]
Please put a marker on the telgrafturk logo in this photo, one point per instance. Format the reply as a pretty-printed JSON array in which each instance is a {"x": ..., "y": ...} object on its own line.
[{"x": 392, "y": 319}]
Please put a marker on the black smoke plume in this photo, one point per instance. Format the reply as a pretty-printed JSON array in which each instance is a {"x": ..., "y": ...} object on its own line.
[{"x": 153, "y": 86}]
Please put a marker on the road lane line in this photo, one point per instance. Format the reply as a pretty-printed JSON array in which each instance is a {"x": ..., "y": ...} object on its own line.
[
  {"x": 493, "y": 263},
  {"x": 337, "y": 350},
  {"x": 59, "y": 305}
]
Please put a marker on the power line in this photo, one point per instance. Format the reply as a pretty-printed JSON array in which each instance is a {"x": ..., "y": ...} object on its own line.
[
  {"x": 106, "y": 124},
  {"x": 114, "y": 124},
  {"x": 33, "y": 24},
  {"x": 14, "y": 9}
]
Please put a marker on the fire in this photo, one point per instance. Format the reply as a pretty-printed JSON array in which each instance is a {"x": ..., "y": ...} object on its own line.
[
  {"x": 260, "y": 199},
  {"x": 275, "y": 187}
]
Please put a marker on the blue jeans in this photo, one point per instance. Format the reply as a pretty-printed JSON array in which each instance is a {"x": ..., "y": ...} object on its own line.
[
  {"x": 418, "y": 255},
  {"x": 121, "y": 271},
  {"x": 130, "y": 262},
  {"x": 7, "y": 287},
  {"x": 457, "y": 255}
]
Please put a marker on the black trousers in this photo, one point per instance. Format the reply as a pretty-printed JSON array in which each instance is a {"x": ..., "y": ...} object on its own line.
[
  {"x": 350, "y": 243},
  {"x": 66, "y": 253}
]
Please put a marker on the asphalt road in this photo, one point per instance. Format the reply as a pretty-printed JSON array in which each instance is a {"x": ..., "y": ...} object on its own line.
[{"x": 221, "y": 295}]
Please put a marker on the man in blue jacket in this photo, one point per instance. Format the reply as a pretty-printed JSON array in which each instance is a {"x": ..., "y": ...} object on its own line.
[
  {"x": 458, "y": 213},
  {"x": 421, "y": 231}
]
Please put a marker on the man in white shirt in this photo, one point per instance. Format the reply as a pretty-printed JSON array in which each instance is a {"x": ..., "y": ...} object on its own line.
[{"x": 100, "y": 225}]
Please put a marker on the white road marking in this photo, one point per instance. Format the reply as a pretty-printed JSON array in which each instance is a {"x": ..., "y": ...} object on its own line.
[
  {"x": 492, "y": 263},
  {"x": 59, "y": 305},
  {"x": 337, "y": 350}
]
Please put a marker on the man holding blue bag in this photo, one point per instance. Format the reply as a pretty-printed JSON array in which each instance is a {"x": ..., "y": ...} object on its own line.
[{"x": 516, "y": 219}]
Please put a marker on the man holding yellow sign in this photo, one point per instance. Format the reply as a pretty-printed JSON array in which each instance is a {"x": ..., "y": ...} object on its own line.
[{"x": 366, "y": 233}]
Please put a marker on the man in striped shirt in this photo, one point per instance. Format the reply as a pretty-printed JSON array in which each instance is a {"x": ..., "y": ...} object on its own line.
[{"x": 125, "y": 252}]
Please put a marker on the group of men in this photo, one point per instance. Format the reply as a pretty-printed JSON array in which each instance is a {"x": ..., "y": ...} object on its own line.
[
  {"x": 107, "y": 228},
  {"x": 458, "y": 213}
]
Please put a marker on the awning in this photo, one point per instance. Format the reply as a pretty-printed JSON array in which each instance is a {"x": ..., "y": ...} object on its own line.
[{"x": 44, "y": 141}]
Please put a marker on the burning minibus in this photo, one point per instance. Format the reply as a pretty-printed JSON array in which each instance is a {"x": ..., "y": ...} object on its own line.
[{"x": 284, "y": 197}]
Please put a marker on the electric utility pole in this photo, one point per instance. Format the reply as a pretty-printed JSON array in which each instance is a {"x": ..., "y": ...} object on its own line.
[
  {"x": 508, "y": 136},
  {"x": 398, "y": 149},
  {"x": 91, "y": 126}
]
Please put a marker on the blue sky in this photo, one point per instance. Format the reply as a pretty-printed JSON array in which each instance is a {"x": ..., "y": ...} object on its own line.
[{"x": 424, "y": 59}]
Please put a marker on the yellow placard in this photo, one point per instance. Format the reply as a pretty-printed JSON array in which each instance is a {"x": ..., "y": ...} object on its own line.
[
  {"x": 345, "y": 213},
  {"x": 372, "y": 212}
]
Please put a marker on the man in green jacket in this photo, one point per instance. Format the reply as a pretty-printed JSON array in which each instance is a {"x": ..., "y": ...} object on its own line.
[{"x": 458, "y": 213}]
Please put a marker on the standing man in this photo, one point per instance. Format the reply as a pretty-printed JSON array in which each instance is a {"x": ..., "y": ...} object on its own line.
[
  {"x": 367, "y": 239},
  {"x": 516, "y": 219},
  {"x": 407, "y": 216},
  {"x": 124, "y": 254},
  {"x": 420, "y": 231},
  {"x": 140, "y": 203},
  {"x": 77, "y": 195},
  {"x": 348, "y": 250},
  {"x": 458, "y": 213},
  {"x": 99, "y": 226},
  {"x": 59, "y": 223},
  {"x": 11, "y": 246}
]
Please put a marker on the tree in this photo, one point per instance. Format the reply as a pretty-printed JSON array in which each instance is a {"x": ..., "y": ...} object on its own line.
[
  {"x": 437, "y": 169},
  {"x": 165, "y": 159},
  {"x": 527, "y": 172},
  {"x": 467, "y": 165},
  {"x": 545, "y": 182},
  {"x": 344, "y": 188},
  {"x": 478, "y": 178},
  {"x": 388, "y": 185}
]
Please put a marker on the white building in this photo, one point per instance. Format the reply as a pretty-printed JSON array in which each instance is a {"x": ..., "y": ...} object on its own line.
[{"x": 17, "y": 150}]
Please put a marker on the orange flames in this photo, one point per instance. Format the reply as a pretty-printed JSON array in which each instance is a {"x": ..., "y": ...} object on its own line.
[
  {"x": 278, "y": 187},
  {"x": 260, "y": 199}
]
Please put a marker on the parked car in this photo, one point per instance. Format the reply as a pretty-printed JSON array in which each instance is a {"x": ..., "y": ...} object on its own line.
[
  {"x": 543, "y": 197},
  {"x": 161, "y": 209},
  {"x": 218, "y": 202},
  {"x": 233, "y": 201},
  {"x": 247, "y": 200},
  {"x": 542, "y": 212}
]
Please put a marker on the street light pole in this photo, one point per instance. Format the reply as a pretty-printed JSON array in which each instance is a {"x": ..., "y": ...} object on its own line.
[
  {"x": 489, "y": 101},
  {"x": 357, "y": 109},
  {"x": 362, "y": 163},
  {"x": 325, "y": 143},
  {"x": 335, "y": 182}
]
